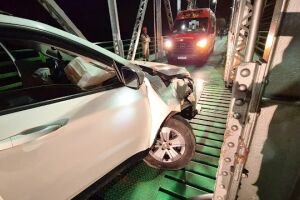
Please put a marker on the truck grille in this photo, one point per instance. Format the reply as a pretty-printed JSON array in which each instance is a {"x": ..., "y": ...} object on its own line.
[{"x": 184, "y": 47}]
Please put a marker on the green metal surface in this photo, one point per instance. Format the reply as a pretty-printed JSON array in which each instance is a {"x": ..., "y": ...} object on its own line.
[{"x": 198, "y": 177}]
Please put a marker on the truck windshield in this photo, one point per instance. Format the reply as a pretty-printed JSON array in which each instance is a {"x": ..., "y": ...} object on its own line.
[{"x": 191, "y": 25}]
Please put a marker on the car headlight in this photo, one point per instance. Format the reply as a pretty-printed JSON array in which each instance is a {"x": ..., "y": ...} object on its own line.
[
  {"x": 168, "y": 44},
  {"x": 202, "y": 43}
]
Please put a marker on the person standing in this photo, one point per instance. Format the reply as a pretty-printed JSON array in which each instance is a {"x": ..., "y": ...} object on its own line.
[{"x": 145, "y": 43}]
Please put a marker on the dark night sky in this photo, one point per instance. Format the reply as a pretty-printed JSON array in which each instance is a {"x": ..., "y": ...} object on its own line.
[{"x": 92, "y": 17}]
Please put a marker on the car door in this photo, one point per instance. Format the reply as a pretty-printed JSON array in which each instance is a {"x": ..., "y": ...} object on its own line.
[{"x": 56, "y": 139}]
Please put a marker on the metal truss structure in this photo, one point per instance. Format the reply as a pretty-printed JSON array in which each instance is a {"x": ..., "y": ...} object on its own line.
[
  {"x": 238, "y": 38},
  {"x": 169, "y": 13},
  {"x": 137, "y": 29},
  {"x": 59, "y": 15},
  {"x": 247, "y": 89},
  {"x": 114, "y": 22}
]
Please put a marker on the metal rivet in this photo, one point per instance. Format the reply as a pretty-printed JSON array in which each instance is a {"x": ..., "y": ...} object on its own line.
[
  {"x": 230, "y": 144},
  {"x": 239, "y": 102},
  {"x": 234, "y": 127},
  {"x": 237, "y": 115},
  {"x": 227, "y": 159},
  {"x": 245, "y": 72},
  {"x": 224, "y": 173},
  {"x": 242, "y": 87},
  {"x": 219, "y": 198},
  {"x": 222, "y": 186}
]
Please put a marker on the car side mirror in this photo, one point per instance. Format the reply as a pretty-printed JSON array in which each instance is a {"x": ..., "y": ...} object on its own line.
[{"x": 131, "y": 78}]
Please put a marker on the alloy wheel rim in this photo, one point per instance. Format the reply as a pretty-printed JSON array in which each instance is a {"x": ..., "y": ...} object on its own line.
[{"x": 169, "y": 146}]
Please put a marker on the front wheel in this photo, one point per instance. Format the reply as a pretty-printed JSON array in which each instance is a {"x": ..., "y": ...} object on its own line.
[{"x": 174, "y": 146}]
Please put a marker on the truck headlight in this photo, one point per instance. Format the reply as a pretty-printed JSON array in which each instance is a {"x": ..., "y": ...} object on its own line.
[
  {"x": 168, "y": 44},
  {"x": 202, "y": 43}
]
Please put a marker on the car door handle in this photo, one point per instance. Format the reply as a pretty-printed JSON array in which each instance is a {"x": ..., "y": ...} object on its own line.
[{"x": 31, "y": 134}]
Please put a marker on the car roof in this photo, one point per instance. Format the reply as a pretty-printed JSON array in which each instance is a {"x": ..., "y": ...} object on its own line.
[{"x": 21, "y": 22}]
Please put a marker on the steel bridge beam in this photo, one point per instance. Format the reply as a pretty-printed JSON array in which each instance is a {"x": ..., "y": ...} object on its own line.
[
  {"x": 59, "y": 15},
  {"x": 238, "y": 39},
  {"x": 115, "y": 28},
  {"x": 158, "y": 22},
  {"x": 137, "y": 30},
  {"x": 178, "y": 5},
  {"x": 257, "y": 10},
  {"x": 169, "y": 13}
]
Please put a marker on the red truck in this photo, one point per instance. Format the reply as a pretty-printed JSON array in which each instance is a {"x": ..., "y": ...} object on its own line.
[{"x": 193, "y": 36}]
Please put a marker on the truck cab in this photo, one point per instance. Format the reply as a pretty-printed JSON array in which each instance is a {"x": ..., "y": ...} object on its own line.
[{"x": 193, "y": 36}]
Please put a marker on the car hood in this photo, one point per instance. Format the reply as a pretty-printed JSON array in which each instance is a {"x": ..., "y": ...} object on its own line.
[{"x": 166, "y": 71}]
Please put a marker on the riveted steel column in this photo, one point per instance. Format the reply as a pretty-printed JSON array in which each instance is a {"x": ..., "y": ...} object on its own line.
[
  {"x": 238, "y": 39},
  {"x": 115, "y": 28},
  {"x": 60, "y": 16},
  {"x": 169, "y": 13},
  {"x": 178, "y": 5},
  {"x": 257, "y": 10},
  {"x": 159, "y": 38}
]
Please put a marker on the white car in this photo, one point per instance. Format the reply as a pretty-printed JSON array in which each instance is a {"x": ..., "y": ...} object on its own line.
[{"x": 73, "y": 113}]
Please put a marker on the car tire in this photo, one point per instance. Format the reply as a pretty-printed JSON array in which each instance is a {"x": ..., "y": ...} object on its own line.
[{"x": 182, "y": 149}]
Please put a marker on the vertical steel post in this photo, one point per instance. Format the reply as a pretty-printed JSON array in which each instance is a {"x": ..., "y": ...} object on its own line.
[
  {"x": 154, "y": 27},
  {"x": 60, "y": 16},
  {"x": 169, "y": 13},
  {"x": 115, "y": 28},
  {"x": 258, "y": 6},
  {"x": 178, "y": 5},
  {"x": 159, "y": 38}
]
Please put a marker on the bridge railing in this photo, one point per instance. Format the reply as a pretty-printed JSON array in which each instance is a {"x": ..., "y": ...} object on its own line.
[{"x": 139, "y": 52}]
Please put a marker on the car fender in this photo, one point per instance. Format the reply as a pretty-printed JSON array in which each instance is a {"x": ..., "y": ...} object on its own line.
[{"x": 160, "y": 111}]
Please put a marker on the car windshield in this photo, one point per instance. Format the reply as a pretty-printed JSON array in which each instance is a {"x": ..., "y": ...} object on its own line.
[{"x": 191, "y": 25}]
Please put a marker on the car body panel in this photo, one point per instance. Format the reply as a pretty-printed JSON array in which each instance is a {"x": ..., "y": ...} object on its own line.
[{"x": 79, "y": 153}]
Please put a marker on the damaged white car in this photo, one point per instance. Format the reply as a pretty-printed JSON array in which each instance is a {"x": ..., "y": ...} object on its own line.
[{"x": 73, "y": 113}]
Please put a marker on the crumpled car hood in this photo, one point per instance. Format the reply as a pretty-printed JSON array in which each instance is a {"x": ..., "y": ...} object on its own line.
[
  {"x": 166, "y": 70},
  {"x": 173, "y": 84}
]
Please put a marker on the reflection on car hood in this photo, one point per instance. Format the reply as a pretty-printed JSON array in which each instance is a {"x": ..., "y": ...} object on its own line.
[{"x": 164, "y": 69}]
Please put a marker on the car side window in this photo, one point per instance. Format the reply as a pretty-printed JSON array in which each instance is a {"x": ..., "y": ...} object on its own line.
[{"x": 33, "y": 72}]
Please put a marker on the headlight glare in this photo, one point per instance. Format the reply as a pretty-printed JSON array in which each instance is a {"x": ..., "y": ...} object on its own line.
[{"x": 202, "y": 43}]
